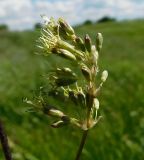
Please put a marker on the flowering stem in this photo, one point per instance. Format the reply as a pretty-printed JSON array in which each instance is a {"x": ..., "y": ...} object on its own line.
[
  {"x": 83, "y": 140},
  {"x": 4, "y": 143},
  {"x": 55, "y": 40}
]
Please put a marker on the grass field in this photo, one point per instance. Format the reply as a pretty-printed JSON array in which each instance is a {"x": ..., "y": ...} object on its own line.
[{"x": 118, "y": 136}]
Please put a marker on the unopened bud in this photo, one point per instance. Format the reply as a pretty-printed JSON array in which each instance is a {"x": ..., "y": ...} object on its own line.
[
  {"x": 66, "y": 26},
  {"x": 94, "y": 109},
  {"x": 99, "y": 41},
  {"x": 55, "y": 113},
  {"x": 65, "y": 81},
  {"x": 81, "y": 98},
  {"x": 73, "y": 97},
  {"x": 94, "y": 54},
  {"x": 86, "y": 73},
  {"x": 64, "y": 34},
  {"x": 88, "y": 43},
  {"x": 65, "y": 54},
  {"x": 65, "y": 72},
  {"x": 104, "y": 75},
  {"x": 96, "y": 103},
  {"x": 80, "y": 43}
]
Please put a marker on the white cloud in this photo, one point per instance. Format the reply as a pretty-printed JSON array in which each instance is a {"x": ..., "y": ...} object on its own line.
[
  {"x": 20, "y": 14},
  {"x": 14, "y": 6}
]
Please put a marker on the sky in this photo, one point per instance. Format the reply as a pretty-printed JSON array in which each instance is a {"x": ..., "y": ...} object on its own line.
[{"x": 23, "y": 14}]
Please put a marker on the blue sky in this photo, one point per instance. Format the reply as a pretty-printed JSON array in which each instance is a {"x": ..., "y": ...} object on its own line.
[{"x": 23, "y": 14}]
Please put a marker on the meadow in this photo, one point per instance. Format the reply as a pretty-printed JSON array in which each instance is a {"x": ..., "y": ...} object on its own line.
[{"x": 120, "y": 133}]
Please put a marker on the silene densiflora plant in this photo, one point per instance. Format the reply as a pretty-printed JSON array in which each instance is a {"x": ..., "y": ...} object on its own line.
[{"x": 59, "y": 39}]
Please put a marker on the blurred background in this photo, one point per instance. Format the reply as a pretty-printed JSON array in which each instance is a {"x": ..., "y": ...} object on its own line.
[{"x": 120, "y": 134}]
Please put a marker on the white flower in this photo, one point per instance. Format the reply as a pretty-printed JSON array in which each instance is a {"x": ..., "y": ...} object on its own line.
[
  {"x": 46, "y": 19},
  {"x": 49, "y": 38}
]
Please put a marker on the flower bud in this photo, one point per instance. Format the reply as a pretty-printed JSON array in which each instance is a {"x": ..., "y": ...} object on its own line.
[
  {"x": 66, "y": 26},
  {"x": 65, "y": 72},
  {"x": 104, "y": 75},
  {"x": 81, "y": 98},
  {"x": 73, "y": 97},
  {"x": 99, "y": 41},
  {"x": 86, "y": 73},
  {"x": 68, "y": 70},
  {"x": 65, "y": 81},
  {"x": 64, "y": 34},
  {"x": 55, "y": 113},
  {"x": 94, "y": 55},
  {"x": 80, "y": 44},
  {"x": 96, "y": 104},
  {"x": 65, "y": 54},
  {"x": 87, "y": 43},
  {"x": 94, "y": 109}
]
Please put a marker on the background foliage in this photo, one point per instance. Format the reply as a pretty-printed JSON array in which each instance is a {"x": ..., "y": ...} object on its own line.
[{"x": 118, "y": 136}]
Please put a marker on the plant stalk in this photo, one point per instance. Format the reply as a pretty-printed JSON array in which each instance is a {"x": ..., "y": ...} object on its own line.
[
  {"x": 4, "y": 143},
  {"x": 83, "y": 140}
]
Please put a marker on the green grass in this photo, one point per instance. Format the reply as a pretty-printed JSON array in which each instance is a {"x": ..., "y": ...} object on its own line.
[{"x": 118, "y": 136}]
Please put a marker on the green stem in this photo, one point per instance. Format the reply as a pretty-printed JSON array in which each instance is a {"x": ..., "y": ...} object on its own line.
[{"x": 83, "y": 140}]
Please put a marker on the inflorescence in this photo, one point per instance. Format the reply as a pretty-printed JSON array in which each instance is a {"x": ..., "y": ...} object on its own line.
[{"x": 59, "y": 38}]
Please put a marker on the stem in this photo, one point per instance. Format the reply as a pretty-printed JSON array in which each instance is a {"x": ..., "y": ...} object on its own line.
[
  {"x": 89, "y": 105},
  {"x": 83, "y": 140},
  {"x": 4, "y": 143}
]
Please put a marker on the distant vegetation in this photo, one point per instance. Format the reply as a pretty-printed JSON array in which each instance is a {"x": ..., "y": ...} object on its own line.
[
  {"x": 3, "y": 27},
  {"x": 37, "y": 26},
  {"x": 119, "y": 135},
  {"x": 106, "y": 19},
  {"x": 101, "y": 20},
  {"x": 87, "y": 22}
]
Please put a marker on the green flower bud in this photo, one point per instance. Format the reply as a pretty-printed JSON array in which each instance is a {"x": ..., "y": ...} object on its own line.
[
  {"x": 94, "y": 55},
  {"x": 68, "y": 70},
  {"x": 99, "y": 41},
  {"x": 66, "y": 46},
  {"x": 55, "y": 113},
  {"x": 88, "y": 43},
  {"x": 65, "y": 54},
  {"x": 66, "y": 26},
  {"x": 65, "y": 81},
  {"x": 73, "y": 97},
  {"x": 94, "y": 109},
  {"x": 104, "y": 75},
  {"x": 65, "y": 72},
  {"x": 81, "y": 98},
  {"x": 86, "y": 72},
  {"x": 80, "y": 44},
  {"x": 64, "y": 34}
]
